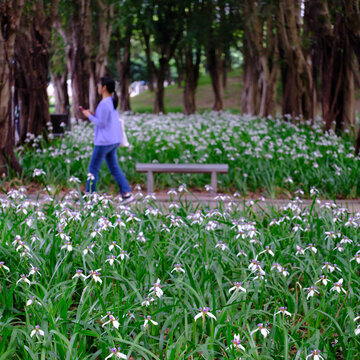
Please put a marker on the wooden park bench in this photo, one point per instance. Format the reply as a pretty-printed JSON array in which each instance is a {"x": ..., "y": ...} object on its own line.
[
  {"x": 150, "y": 169},
  {"x": 57, "y": 120}
]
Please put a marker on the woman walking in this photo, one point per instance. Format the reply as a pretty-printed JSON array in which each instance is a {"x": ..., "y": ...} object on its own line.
[{"x": 107, "y": 138}]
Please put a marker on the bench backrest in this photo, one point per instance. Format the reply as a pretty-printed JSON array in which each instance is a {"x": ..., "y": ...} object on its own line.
[{"x": 183, "y": 168}]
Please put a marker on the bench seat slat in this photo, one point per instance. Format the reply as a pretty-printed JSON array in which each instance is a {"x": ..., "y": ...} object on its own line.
[{"x": 183, "y": 168}]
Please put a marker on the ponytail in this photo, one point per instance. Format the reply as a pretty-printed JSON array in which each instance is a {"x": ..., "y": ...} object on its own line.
[
  {"x": 115, "y": 100},
  {"x": 110, "y": 85}
]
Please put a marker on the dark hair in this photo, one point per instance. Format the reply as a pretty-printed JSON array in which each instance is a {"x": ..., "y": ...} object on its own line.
[{"x": 110, "y": 86}]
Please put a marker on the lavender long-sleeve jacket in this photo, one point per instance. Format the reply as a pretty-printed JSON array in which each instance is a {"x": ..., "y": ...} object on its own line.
[{"x": 107, "y": 124}]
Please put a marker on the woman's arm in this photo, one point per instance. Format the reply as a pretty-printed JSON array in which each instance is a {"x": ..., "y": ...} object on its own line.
[{"x": 102, "y": 113}]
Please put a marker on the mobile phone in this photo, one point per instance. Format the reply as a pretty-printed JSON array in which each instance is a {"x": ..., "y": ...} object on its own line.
[{"x": 81, "y": 108}]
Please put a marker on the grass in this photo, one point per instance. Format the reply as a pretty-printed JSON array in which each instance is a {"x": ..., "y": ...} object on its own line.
[
  {"x": 72, "y": 311},
  {"x": 143, "y": 103}
]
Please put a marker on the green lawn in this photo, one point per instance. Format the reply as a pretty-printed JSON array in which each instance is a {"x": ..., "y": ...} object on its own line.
[{"x": 204, "y": 96}]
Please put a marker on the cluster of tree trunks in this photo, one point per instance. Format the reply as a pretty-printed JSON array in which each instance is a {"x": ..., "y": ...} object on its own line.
[
  {"x": 306, "y": 52},
  {"x": 32, "y": 55},
  {"x": 10, "y": 17}
]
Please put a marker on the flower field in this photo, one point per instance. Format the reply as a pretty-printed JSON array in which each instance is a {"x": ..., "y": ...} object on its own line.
[
  {"x": 87, "y": 278},
  {"x": 267, "y": 156}
]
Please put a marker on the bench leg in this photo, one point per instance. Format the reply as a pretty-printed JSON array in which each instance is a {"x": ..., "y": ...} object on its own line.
[
  {"x": 150, "y": 182},
  {"x": 214, "y": 182}
]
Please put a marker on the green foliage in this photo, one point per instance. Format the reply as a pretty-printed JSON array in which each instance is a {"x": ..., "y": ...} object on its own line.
[
  {"x": 57, "y": 54},
  {"x": 269, "y": 156},
  {"x": 213, "y": 249}
]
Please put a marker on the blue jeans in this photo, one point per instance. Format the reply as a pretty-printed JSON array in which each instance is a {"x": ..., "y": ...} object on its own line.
[{"x": 107, "y": 152}]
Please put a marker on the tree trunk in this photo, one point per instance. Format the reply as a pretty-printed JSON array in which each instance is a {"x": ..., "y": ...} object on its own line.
[
  {"x": 226, "y": 66},
  {"x": 179, "y": 61},
  {"x": 76, "y": 36},
  {"x": 269, "y": 73},
  {"x": 191, "y": 80},
  {"x": 61, "y": 93},
  {"x": 334, "y": 57},
  {"x": 352, "y": 24},
  {"x": 298, "y": 99},
  {"x": 214, "y": 63},
  {"x": 261, "y": 55},
  {"x": 250, "y": 92},
  {"x": 159, "y": 106},
  {"x": 100, "y": 44},
  {"x": 149, "y": 63},
  {"x": 123, "y": 66},
  {"x": 32, "y": 56},
  {"x": 10, "y": 17}
]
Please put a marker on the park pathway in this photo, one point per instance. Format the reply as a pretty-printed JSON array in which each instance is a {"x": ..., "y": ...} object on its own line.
[{"x": 163, "y": 200}]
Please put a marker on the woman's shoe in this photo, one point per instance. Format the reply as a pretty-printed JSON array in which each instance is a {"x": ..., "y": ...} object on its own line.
[{"x": 127, "y": 199}]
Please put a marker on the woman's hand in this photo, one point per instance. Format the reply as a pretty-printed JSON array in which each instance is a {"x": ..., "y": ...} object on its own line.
[{"x": 87, "y": 112}]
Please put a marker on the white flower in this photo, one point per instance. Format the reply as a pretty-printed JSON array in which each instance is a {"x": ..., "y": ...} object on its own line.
[
  {"x": 172, "y": 192},
  {"x": 38, "y": 172},
  {"x": 237, "y": 286},
  {"x": 311, "y": 291},
  {"x": 123, "y": 254},
  {"x": 336, "y": 268},
  {"x": 221, "y": 245},
  {"x": 34, "y": 270},
  {"x": 95, "y": 275},
  {"x": 299, "y": 250},
  {"x": 267, "y": 250},
  {"x": 113, "y": 320},
  {"x": 328, "y": 266},
  {"x": 356, "y": 257},
  {"x": 263, "y": 330},
  {"x": 132, "y": 217},
  {"x": 33, "y": 300},
  {"x": 141, "y": 237},
  {"x": 182, "y": 188},
  {"x": 79, "y": 274},
  {"x": 345, "y": 240},
  {"x": 113, "y": 245},
  {"x": 339, "y": 247},
  {"x": 241, "y": 252},
  {"x": 312, "y": 248},
  {"x": 2, "y": 266},
  {"x": 117, "y": 353},
  {"x": 313, "y": 190},
  {"x": 178, "y": 268},
  {"x": 236, "y": 343},
  {"x": 74, "y": 179},
  {"x": 324, "y": 279},
  {"x": 357, "y": 330},
  {"x": 208, "y": 188},
  {"x": 22, "y": 246},
  {"x": 23, "y": 278},
  {"x": 147, "y": 301},
  {"x": 37, "y": 331},
  {"x": 111, "y": 259},
  {"x": 17, "y": 240},
  {"x": 297, "y": 228},
  {"x": 283, "y": 310},
  {"x": 90, "y": 177},
  {"x": 88, "y": 249},
  {"x": 67, "y": 246},
  {"x": 283, "y": 271},
  {"x": 338, "y": 286},
  {"x": 315, "y": 355},
  {"x": 147, "y": 320},
  {"x": 157, "y": 289},
  {"x": 204, "y": 312}
]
